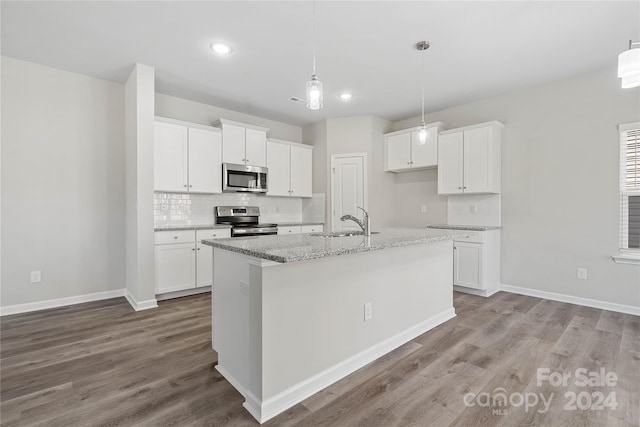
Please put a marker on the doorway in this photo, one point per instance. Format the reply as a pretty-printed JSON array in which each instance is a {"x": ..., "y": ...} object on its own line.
[{"x": 348, "y": 189}]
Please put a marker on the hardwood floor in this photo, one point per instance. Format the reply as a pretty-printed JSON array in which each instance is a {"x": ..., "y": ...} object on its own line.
[{"x": 103, "y": 364}]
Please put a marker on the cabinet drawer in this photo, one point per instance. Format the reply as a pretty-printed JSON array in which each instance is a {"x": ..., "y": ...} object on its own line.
[
  {"x": 477, "y": 238},
  {"x": 167, "y": 237},
  {"x": 289, "y": 230},
  {"x": 217, "y": 233},
  {"x": 312, "y": 228}
]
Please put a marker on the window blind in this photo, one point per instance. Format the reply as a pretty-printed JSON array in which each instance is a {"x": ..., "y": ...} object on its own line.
[{"x": 630, "y": 186}]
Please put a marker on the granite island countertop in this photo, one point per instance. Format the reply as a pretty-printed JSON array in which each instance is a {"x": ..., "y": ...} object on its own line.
[{"x": 302, "y": 247}]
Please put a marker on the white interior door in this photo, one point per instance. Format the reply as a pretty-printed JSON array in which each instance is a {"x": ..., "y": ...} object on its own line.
[{"x": 348, "y": 189}]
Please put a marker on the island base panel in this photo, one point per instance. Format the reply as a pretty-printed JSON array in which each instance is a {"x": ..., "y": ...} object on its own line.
[{"x": 286, "y": 331}]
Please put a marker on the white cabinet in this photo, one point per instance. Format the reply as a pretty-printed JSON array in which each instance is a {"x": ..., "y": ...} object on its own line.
[
  {"x": 295, "y": 229},
  {"x": 318, "y": 228},
  {"x": 243, "y": 143},
  {"x": 404, "y": 152},
  {"x": 290, "y": 169},
  {"x": 182, "y": 261},
  {"x": 476, "y": 263},
  {"x": 187, "y": 158},
  {"x": 469, "y": 159}
]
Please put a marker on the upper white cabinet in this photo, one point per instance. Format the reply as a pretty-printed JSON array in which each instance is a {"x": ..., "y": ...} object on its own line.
[
  {"x": 403, "y": 151},
  {"x": 243, "y": 144},
  {"x": 187, "y": 157},
  {"x": 469, "y": 159},
  {"x": 290, "y": 169}
]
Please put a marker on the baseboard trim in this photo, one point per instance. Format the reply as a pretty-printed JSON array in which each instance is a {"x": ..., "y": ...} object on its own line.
[
  {"x": 60, "y": 302},
  {"x": 588, "y": 302},
  {"x": 479, "y": 292},
  {"x": 267, "y": 409},
  {"x": 140, "y": 305},
  {"x": 184, "y": 293}
]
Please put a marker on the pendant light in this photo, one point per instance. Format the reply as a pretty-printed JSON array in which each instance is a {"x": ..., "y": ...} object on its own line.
[
  {"x": 314, "y": 86},
  {"x": 422, "y": 133},
  {"x": 629, "y": 66}
]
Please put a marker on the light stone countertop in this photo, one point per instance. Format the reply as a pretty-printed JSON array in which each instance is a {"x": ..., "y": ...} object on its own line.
[
  {"x": 302, "y": 247},
  {"x": 176, "y": 227},
  {"x": 464, "y": 227}
]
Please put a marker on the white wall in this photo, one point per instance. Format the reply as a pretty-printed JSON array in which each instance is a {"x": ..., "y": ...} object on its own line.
[
  {"x": 559, "y": 183},
  {"x": 62, "y": 183},
  {"x": 195, "y": 112}
]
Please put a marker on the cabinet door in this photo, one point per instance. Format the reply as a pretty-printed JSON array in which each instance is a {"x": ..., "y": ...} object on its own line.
[
  {"x": 450, "y": 159},
  {"x": 170, "y": 157},
  {"x": 233, "y": 138},
  {"x": 174, "y": 267},
  {"x": 204, "y": 265},
  {"x": 301, "y": 171},
  {"x": 205, "y": 162},
  {"x": 398, "y": 151},
  {"x": 278, "y": 160},
  {"x": 424, "y": 155},
  {"x": 256, "y": 147},
  {"x": 477, "y": 160},
  {"x": 467, "y": 265}
]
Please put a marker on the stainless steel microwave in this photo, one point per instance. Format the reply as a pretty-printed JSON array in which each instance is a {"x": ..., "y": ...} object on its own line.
[{"x": 242, "y": 178}]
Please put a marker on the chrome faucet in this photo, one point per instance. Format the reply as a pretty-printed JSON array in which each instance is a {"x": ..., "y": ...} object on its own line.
[{"x": 365, "y": 225}]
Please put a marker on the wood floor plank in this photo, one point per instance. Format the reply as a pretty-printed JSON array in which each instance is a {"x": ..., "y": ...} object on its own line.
[{"x": 102, "y": 363}]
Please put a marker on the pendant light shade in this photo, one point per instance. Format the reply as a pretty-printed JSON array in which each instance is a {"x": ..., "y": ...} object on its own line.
[
  {"x": 422, "y": 134},
  {"x": 314, "y": 93},
  {"x": 629, "y": 66}
]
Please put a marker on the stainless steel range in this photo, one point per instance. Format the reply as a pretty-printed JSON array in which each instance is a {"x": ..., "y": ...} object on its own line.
[{"x": 244, "y": 221}]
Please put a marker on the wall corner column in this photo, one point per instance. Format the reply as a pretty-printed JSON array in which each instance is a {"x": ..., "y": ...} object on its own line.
[{"x": 139, "y": 121}]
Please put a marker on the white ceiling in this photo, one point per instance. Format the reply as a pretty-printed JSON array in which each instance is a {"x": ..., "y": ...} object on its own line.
[{"x": 478, "y": 49}]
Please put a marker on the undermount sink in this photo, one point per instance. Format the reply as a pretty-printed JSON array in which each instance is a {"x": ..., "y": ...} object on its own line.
[{"x": 341, "y": 233}]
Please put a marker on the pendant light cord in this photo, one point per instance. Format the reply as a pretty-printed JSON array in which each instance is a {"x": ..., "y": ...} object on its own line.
[
  {"x": 422, "y": 87},
  {"x": 314, "y": 36}
]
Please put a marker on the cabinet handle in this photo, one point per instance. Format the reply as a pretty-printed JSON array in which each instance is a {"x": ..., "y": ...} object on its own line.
[
  {"x": 198, "y": 248},
  {"x": 193, "y": 249},
  {"x": 190, "y": 185},
  {"x": 408, "y": 163},
  {"x": 459, "y": 188},
  {"x": 175, "y": 237},
  {"x": 454, "y": 248},
  {"x": 185, "y": 186}
]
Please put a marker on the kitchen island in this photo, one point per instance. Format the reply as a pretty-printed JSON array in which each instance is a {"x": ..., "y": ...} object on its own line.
[{"x": 293, "y": 314}]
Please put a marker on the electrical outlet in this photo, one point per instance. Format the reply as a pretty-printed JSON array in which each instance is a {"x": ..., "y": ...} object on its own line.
[
  {"x": 36, "y": 276},
  {"x": 368, "y": 311},
  {"x": 473, "y": 209},
  {"x": 582, "y": 273},
  {"x": 423, "y": 208}
]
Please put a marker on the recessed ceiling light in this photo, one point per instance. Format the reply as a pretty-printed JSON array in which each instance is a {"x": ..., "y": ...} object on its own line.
[
  {"x": 221, "y": 48},
  {"x": 346, "y": 96}
]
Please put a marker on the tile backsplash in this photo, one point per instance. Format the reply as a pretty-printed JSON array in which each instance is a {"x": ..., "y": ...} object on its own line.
[{"x": 197, "y": 209}]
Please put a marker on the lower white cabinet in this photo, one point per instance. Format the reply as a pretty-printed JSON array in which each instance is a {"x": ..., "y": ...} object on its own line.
[
  {"x": 476, "y": 263},
  {"x": 182, "y": 261},
  {"x": 319, "y": 228},
  {"x": 297, "y": 229}
]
